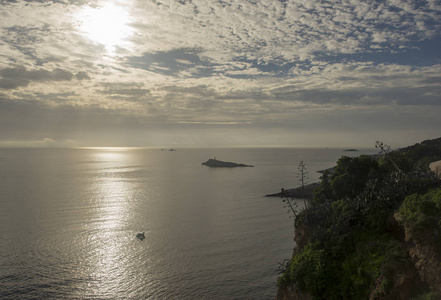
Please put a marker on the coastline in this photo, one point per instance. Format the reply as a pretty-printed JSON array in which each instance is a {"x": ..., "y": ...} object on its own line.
[{"x": 306, "y": 192}]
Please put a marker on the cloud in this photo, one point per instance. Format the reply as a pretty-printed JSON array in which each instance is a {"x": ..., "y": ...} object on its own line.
[
  {"x": 12, "y": 78},
  {"x": 48, "y": 140},
  {"x": 172, "y": 62},
  {"x": 82, "y": 76},
  {"x": 127, "y": 91},
  {"x": 183, "y": 61},
  {"x": 232, "y": 63}
]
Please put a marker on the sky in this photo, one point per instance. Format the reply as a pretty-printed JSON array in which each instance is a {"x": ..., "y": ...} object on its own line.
[{"x": 220, "y": 73}]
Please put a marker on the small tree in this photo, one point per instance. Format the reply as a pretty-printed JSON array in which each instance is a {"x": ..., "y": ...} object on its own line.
[
  {"x": 386, "y": 150},
  {"x": 291, "y": 205},
  {"x": 324, "y": 191},
  {"x": 303, "y": 177}
]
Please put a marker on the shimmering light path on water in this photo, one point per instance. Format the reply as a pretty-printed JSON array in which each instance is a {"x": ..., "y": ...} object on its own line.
[{"x": 69, "y": 219}]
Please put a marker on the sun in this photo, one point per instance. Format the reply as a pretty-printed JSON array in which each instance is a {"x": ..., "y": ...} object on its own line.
[{"x": 107, "y": 25}]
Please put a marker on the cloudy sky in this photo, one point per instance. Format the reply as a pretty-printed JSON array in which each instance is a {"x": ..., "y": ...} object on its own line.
[{"x": 219, "y": 73}]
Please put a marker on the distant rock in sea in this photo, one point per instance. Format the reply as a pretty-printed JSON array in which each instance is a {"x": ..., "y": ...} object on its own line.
[
  {"x": 214, "y": 163},
  {"x": 350, "y": 150}
]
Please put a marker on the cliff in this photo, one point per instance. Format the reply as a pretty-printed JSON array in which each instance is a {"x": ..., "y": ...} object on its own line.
[
  {"x": 407, "y": 265},
  {"x": 371, "y": 231},
  {"x": 214, "y": 163}
]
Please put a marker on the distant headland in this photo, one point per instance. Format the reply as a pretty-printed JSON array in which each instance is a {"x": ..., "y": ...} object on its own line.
[
  {"x": 214, "y": 163},
  {"x": 299, "y": 192}
]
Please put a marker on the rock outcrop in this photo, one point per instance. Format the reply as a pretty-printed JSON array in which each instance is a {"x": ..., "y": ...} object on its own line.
[
  {"x": 214, "y": 163},
  {"x": 424, "y": 255},
  {"x": 292, "y": 292},
  {"x": 422, "y": 272},
  {"x": 299, "y": 192}
]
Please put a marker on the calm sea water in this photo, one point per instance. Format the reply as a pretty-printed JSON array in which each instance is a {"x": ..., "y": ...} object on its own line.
[{"x": 69, "y": 219}]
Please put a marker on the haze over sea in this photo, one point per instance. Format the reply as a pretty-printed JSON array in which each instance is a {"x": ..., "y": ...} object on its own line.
[{"x": 69, "y": 219}]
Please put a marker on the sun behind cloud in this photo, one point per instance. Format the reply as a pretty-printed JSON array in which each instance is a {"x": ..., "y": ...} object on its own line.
[{"x": 107, "y": 25}]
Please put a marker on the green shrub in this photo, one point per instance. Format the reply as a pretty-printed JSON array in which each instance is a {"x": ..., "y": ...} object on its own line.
[
  {"x": 351, "y": 175},
  {"x": 308, "y": 270},
  {"x": 376, "y": 256},
  {"x": 422, "y": 212},
  {"x": 428, "y": 296},
  {"x": 398, "y": 158},
  {"x": 323, "y": 191}
]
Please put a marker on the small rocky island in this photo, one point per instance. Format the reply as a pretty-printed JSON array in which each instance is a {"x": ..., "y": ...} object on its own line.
[{"x": 214, "y": 163}]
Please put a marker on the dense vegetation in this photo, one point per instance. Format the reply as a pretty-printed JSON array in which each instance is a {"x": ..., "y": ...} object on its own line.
[{"x": 354, "y": 247}]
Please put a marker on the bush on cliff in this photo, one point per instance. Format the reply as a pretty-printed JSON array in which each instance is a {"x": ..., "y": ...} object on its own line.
[
  {"x": 349, "y": 178},
  {"x": 422, "y": 214},
  {"x": 376, "y": 256},
  {"x": 309, "y": 269},
  {"x": 432, "y": 295}
]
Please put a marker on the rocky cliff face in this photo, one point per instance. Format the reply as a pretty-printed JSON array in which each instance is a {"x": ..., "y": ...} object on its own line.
[
  {"x": 405, "y": 278},
  {"x": 424, "y": 255},
  {"x": 291, "y": 292},
  {"x": 427, "y": 262},
  {"x": 422, "y": 272}
]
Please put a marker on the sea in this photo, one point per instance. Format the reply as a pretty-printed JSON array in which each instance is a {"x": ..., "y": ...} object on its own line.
[{"x": 69, "y": 220}]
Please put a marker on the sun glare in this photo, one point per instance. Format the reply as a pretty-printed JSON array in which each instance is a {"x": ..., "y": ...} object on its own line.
[{"x": 106, "y": 25}]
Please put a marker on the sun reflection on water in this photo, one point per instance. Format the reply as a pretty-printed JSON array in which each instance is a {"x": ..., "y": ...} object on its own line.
[{"x": 110, "y": 233}]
